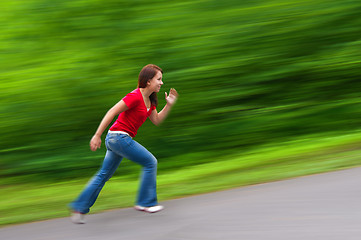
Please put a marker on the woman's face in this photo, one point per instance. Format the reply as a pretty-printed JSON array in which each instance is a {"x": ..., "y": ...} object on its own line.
[{"x": 156, "y": 82}]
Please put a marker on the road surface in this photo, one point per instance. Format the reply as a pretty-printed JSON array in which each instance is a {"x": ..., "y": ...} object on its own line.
[{"x": 324, "y": 206}]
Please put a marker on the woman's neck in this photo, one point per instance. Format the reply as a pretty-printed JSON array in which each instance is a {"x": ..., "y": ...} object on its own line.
[{"x": 145, "y": 92}]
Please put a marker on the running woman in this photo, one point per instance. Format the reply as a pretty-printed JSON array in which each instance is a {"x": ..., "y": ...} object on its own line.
[{"x": 133, "y": 110}]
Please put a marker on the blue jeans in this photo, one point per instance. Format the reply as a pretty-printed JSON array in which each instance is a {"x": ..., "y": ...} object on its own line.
[{"x": 119, "y": 146}]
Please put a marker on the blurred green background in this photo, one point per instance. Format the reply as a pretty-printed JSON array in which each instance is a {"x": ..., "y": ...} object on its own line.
[{"x": 251, "y": 75}]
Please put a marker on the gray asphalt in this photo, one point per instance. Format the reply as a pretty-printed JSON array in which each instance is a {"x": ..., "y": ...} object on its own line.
[{"x": 325, "y": 206}]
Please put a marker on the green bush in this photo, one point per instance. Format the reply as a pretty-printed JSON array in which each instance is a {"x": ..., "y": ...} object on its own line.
[{"x": 248, "y": 73}]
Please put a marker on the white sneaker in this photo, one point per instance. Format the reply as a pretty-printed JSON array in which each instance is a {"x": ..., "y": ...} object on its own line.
[
  {"x": 152, "y": 209},
  {"x": 77, "y": 218},
  {"x": 139, "y": 208}
]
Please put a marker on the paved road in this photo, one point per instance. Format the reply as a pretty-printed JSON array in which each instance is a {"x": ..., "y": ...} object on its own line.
[{"x": 325, "y": 206}]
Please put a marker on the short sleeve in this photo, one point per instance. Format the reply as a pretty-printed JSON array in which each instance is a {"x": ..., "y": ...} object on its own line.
[{"x": 130, "y": 99}]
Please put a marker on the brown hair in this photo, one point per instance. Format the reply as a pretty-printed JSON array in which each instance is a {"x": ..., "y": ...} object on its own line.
[{"x": 147, "y": 73}]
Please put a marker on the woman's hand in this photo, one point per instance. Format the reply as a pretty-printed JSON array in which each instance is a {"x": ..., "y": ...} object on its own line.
[
  {"x": 158, "y": 118},
  {"x": 95, "y": 143},
  {"x": 172, "y": 97}
]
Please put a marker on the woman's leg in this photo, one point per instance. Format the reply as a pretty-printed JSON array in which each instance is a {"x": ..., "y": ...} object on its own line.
[
  {"x": 87, "y": 198},
  {"x": 130, "y": 149},
  {"x": 147, "y": 193}
]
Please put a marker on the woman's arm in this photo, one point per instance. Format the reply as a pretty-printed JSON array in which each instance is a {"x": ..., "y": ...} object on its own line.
[
  {"x": 158, "y": 118},
  {"x": 118, "y": 108}
]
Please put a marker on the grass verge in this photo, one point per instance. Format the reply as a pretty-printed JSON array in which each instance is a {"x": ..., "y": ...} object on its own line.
[{"x": 34, "y": 202}]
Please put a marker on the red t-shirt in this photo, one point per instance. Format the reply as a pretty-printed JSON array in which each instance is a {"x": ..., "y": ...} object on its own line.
[{"x": 130, "y": 121}]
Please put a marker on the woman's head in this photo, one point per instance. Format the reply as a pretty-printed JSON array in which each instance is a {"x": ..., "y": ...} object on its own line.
[
  {"x": 147, "y": 73},
  {"x": 146, "y": 79}
]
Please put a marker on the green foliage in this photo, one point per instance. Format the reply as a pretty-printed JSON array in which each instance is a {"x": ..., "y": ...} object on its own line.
[{"x": 248, "y": 73}]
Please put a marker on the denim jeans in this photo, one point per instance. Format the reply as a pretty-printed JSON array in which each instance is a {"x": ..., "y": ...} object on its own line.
[{"x": 119, "y": 146}]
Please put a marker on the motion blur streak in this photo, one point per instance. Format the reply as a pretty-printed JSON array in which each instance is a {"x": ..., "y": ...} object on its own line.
[{"x": 250, "y": 74}]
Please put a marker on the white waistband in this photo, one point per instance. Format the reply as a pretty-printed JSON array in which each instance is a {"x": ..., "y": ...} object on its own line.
[{"x": 121, "y": 132}]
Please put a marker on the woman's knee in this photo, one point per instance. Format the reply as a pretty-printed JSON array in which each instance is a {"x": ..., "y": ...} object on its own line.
[
  {"x": 104, "y": 175},
  {"x": 151, "y": 162}
]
